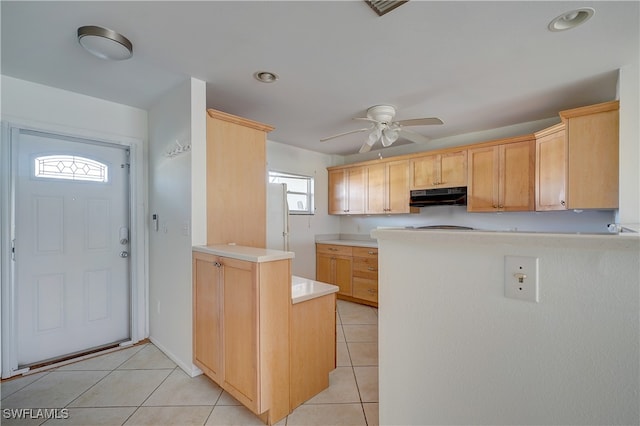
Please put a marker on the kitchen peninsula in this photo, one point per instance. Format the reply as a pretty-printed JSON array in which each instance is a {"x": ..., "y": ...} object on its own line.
[
  {"x": 266, "y": 339},
  {"x": 483, "y": 358}
]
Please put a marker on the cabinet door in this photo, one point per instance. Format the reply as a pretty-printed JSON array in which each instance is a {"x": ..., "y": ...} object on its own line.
[
  {"x": 423, "y": 172},
  {"x": 453, "y": 169},
  {"x": 397, "y": 185},
  {"x": 356, "y": 190},
  {"x": 241, "y": 331},
  {"x": 551, "y": 171},
  {"x": 482, "y": 192},
  {"x": 342, "y": 268},
  {"x": 337, "y": 192},
  {"x": 376, "y": 189},
  {"x": 517, "y": 176},
  {"x": 207, "y": 308},
  {"x": 323, "y": 268},
  {"x": 593, "y": 161}
]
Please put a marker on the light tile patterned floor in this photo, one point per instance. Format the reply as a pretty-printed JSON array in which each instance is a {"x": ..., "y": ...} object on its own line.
[{"x": 141, "y": 386}]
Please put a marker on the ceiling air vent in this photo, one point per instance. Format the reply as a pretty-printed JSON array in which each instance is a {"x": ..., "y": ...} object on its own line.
[{"x": 382, "y": 7}]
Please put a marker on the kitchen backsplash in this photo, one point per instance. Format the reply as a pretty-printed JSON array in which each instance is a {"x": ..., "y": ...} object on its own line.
[{"x": 587, "y": 221}]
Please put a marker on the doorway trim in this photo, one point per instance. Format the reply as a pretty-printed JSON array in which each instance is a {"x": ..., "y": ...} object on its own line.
[{"x": 138, "y": 236}]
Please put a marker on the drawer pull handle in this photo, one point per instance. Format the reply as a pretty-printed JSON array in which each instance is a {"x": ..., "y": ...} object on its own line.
[
  {"x": 371, "y": 268},
  {"x": 371, "y": 252},
  {"x": 372, "y": 291},
  {"x": 333, "y": 249}
]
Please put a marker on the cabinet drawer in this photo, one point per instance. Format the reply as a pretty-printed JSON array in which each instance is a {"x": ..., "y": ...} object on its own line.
[
  {"x": 365, "y": 268},
  {"x": 333, "y": 249},
  {"x": 366, "y": 289},
  {"x": 369, "y": 252}
]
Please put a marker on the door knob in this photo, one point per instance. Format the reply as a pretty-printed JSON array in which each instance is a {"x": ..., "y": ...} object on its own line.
[{"x": 124, "y": 254}]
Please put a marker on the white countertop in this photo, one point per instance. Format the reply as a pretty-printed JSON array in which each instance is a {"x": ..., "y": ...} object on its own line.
[
  {"x": 251, "y": 254},
  {"x": 355, "y": 243},
  {"x": 622, "y": 241},
  {"x": 306, "y": 289}
]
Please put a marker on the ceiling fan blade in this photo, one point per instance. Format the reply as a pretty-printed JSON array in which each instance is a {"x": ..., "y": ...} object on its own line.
[
  {"x": 420, "y": 121},
  {"x": 413, "y": 136},
  {"x": 365, "y": 148},
  {"x": 344, "y": 134}
]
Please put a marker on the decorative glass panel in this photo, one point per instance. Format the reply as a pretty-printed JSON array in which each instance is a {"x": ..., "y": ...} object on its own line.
[{"x": 70, "y": 167}]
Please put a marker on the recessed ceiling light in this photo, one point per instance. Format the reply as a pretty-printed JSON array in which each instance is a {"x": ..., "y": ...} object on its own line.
[
  {"x": 105, "y": 43},
  {"x": 571, "y": 19},
  {"x": 265, "y": 76}
]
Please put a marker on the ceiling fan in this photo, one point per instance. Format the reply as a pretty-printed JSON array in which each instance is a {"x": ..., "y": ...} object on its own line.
[{"x": 386, "y": 130}]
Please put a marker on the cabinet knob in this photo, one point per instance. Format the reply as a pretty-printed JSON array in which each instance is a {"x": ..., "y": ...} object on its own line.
[
  {"x": 562, "y": 203},
  {"x": 217, "y": 264},
  {"x": 500, "y": 206}
]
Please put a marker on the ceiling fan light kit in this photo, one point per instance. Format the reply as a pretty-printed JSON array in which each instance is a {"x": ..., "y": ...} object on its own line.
[{"x": 387, "y": 131}]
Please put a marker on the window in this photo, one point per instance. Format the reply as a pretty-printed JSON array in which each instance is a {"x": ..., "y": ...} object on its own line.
[
  {"x": 70, "y": 167},
  {"x": 299, "y": 191}
]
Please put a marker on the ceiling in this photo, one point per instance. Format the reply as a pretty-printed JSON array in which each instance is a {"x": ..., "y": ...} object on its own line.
[{"x": 476, "y": 65}]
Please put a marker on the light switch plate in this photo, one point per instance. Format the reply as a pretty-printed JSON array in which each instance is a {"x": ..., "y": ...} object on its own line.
[{"x": 521, "y": 278}]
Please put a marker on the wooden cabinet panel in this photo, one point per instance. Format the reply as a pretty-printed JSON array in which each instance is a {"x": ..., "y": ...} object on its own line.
[
  {"x": 551, "y": 169},
  {"x": 388, "y": 188},
  {"x": 365, "y": 289},
  {"x": 501, "y": 177},
  {"x": 453, "y": 169},
  {"x": 376, "y": 197},
  {"x": 593, "y": 138},
  {"x": 517, "y": 181},
  {"x": 334, "y": 267},
  {"x": 236, "y": 166},
  {"x": 354, "y": 270},
  {"x": 207, "y": 303},
  {"x": 356, "y": 190},
  {"x": 439, "y": 170},
  {"x": 577, "y": 161},
  {"x": 241, "y": 311},
  {"x": 424, "y": 172},
  {"x": 397, "y": 188},
  {"x": 482, "y": 192},
  {"x": 334, "y": 249},
  {"x": 241, "y": 332},
  {"x": 347, "y": 191}
]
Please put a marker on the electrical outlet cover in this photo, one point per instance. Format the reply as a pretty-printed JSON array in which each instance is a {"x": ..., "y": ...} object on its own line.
[{"x": 521, "y": 278}]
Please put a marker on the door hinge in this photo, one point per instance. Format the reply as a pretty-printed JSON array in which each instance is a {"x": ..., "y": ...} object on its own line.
[{"x": 13, "y": 250}]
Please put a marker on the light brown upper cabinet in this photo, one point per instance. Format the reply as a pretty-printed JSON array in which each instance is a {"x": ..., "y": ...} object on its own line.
[
  {"x": 551, "y": 168},
  {"x": 387, "y": 186},
  {"x": 501, "y": 177},
  {"x": 445, "y": 170},
  {"x": 347, "y": 190},
  {"x": 577, "y": 160},
  {"x": 236, "y": 180}
]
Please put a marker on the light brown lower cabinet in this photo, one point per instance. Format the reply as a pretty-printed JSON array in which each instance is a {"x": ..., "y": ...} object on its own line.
[
  {"x": 354, "y": 269},
  {"x": 268, "y": 354}
]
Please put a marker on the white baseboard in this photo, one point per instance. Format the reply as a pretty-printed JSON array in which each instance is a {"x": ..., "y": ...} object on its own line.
[{"x": 187, "y": 367}]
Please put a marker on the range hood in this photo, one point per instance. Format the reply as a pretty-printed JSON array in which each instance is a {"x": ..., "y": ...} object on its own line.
[{"x": 439, "y": 197}]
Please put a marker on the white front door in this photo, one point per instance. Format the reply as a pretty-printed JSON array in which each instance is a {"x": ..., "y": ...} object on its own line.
[{"x": 71, "y": 271}]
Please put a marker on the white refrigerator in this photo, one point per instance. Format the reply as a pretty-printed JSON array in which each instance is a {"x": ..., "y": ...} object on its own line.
[{"x": 277, "y": 217}]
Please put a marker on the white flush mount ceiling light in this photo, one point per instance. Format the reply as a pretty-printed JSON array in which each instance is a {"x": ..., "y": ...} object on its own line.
[
  {"x": 571, "y": 19},
  {"x": 105, "y": 43},
  {"x": 265, "y": 76}
]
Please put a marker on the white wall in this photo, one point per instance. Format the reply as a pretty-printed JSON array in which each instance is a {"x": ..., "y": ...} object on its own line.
[
  {"x": 170, "y": 197},
  {"x": 629, "y": 95},
  {"x": 304, "y": 228},
  {"x": 454, "y": 350}
]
